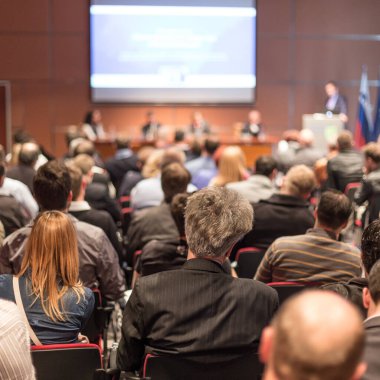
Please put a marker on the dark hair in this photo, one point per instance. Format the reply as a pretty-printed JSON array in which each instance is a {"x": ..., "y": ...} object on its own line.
[
  {"x": 265, "y": 165},
  {"x": 20, "y": 136},
  {"x": 172, "y": 155},
  {"x": 371, "y": 245},
  {"x": 334, "y": 209},
  {"x": 333, "y": 83},
  {"x": 2, "y": 169},
  {"x": 52, "y": 185},
  {"x": 374, "y": 282},
  {"x": 122, "y": 143},
  {"x": 211, "y": 145},
  {"x": 179, "y": 135},
  {"x": 2, "y": 153},
  {"x": 174, "y": 180},
  {"x": 88, "y": 118},
  {"x": 344, "y": 141},
  {"x": 28, "y": 154},
  {"x": 177, "y": 209}
]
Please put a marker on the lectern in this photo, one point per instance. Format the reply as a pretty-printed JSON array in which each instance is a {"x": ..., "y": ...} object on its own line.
[{"x": 325, "y": 128}]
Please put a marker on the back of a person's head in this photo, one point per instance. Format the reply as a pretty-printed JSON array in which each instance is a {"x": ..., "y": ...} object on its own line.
[
  {"x": 306, "y": 137},
  {"x": 334, "y": 209},
  {"x": 174, "y": 180},
  {"x": 122, "y": 142},
  {"x": 2, "y": 153},
  {"x": 370, "y": 245},
  {"x": 265, "y": 165},
  {"x": 52, "y": 186},
  {"x": 372, "y": 151},
  {"x": 76, "y": 179},
  {"x": 344, "y": 141},
  {"x": 177, "y": 209},
  {"x": 215, "y": 219},
  {"x": 179, "y": 135},
  {"x": 299, "y": 181},
  {"x": 2, "y": 172},
  {"x": 85, "y": 147},
  {"x": 211, "y": 144},
  {"x": 152, "y": 165},
  {"x": 84, "y": 162},
  {"x": 316, "y": 335},
  {"x": 28, "y": 154},
  {"x": 20, "y": 137},
  {"x": 231, "y": 165},
  {"x": 172, "y": 155},
  {"x": 51, "y": 255},
  {"x": 374, "y": 283}
]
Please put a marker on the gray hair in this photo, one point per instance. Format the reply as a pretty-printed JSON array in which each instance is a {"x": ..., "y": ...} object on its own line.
[{"x": 215, "y": 219}]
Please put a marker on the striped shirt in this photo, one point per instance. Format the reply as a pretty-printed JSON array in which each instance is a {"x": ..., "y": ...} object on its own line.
[
  {"x": 15, "y": 358},
  {"x": 314, "y": 257}
]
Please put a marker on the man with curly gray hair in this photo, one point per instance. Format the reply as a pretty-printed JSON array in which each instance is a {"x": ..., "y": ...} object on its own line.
[{"x": 199, "y": 312}]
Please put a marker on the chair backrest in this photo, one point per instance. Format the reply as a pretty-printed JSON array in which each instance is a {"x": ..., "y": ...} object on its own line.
[
  {"x": 247, "y": 367},
  {"x": 287, "y": 289},
  {"x": 66, "y": 361},
  {"x": 248, "y": 260},
  {"x": 350, "y": 189}
]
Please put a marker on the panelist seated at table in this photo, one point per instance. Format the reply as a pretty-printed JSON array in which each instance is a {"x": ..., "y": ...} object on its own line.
[
  {"x": 150, "y": 128},
  {"x": 199, "y": 126},
  {"x": 253, "y": 126},
  {"x": 92, "y": 126}
]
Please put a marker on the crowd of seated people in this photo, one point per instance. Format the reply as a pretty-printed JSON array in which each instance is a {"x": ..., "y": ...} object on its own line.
[{"x": 63, "y": 233}]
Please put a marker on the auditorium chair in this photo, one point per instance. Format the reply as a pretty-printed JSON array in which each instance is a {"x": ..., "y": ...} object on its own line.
[
  {"x": 70, "y": 362},
  {"x": 248, "y": 260},
  {"x": 350, "y": 190},
  {"x": 288, "y": 288}
]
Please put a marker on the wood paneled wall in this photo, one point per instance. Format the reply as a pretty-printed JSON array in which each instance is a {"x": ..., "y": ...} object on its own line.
[{"x": 301, "y": 45}]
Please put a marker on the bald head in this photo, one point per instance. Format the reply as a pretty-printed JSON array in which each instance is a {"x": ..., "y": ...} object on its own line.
[
  {"x": 316, "y": 335},
  {"x": 28, "y": 155}
]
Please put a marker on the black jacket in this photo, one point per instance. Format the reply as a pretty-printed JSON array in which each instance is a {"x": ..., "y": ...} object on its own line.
[
  {"x": 118, "y": 167},
  {"x": 372, "y": 348},
  {"x": 199, "y": 312},
  {"x": 11, "y": 214}
]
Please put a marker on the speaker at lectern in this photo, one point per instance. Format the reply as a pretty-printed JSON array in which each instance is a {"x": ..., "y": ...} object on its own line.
[{"x": 325, "y": 128}]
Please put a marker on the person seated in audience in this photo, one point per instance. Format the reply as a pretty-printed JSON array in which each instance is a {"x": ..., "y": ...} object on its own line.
[
  {"x": 157, "y": 223},
  {"x": 27, "y": 158},
  {"x": 180, "y": 142},
  {"x": 123, "y": 161},
  {"x": 315, "y": 335},
  {"x": 19, "y": 191},
  {"x": 97, "y": 193},
  {"x": 253, "y": 126},
  {"x": 81, "y": 210},
  {"x": 55, "y": 302},
  {"x": 2, "y": 234},
  {"x": 198, "y": 126},
  {"x": 150, "y": 128},
  {"x": 199, "y": 312},
  {"x": 12, "y": 215},
  {"x": 16, "y": 359},
  {"x": 148, "y": 192},
  {"x": 231, "y": 167},
  {"x": 203, "y": 168},
  {"x": 307, "y": 154},
  {"x": 287, "y": 149},
  {"x": 92, "y": 125},
  {"x": 370, "y": 254},
  {"x": 371, "y": 301},
  {"x": 259, "y": 185},
  {"x": 347, "y": 166},
  {"x": 98, "y": 261},
  {"x": 316, "y": 256},
  {"x": 285, "y": 214},
  {"x": 370, "y": 184}
]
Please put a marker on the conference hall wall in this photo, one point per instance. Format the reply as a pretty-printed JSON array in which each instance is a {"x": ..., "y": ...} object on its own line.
[{"x": 301, "y": 45}]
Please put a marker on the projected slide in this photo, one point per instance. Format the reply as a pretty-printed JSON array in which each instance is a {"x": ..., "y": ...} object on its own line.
[{"x": 160, "y": 54}]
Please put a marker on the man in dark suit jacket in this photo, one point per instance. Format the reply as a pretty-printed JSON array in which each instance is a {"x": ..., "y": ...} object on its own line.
[
  {"x": 335, "y": 103},
  {"x": 199, "y": 311},
  {"x": 371, "y": 300}
]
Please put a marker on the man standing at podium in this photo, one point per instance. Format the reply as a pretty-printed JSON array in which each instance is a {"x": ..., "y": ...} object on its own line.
[{"x": 335, "y": 103}]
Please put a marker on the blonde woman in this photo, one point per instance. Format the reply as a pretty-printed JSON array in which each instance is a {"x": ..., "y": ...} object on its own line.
[
  {"x": 231, "y": 167},
  {"x": 53, "y": 299}
]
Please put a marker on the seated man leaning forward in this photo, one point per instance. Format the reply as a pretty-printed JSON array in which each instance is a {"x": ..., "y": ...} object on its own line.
[
  {"x": 199, "y": 311},
  {"x": 316, "y": 256}
]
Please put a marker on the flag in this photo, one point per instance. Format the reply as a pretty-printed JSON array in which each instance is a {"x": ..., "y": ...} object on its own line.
[
  {"x": 364, "y": 126},
  {"x": 376, "y": 125}
]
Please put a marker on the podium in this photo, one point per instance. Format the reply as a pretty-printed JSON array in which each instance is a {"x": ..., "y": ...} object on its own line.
[{"x": 325, "y": 128}]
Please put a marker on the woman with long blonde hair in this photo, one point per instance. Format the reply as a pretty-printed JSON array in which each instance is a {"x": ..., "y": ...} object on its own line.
[
  {"x": 231, "y": 167},
  {"x": 55, "y": 302}
]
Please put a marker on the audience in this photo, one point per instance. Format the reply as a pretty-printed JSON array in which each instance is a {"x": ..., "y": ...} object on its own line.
[
  {"x": 55, "y": 302},
  {"x": 16, "y": 361},
  {"x": 369, "y": 190},
  {"x": 198, "y": 310},
  {"x": 347, "y": 166},
  {"x": 371, "y": 301},
  {"x": 27, "y": 159},
  {"x": 2, "y": 234},
  {"x": 315, "y": 335},
  {"x": 316, "y": 256},
  {"x": 259, "y": 185},
  {"x": 231, "y": 167},
  {"x": 98, "y": 261},
  {"x": 307, "y": 154},
  {"x": 12, "y": 215},
  {"x": 285, "y": 214}
]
